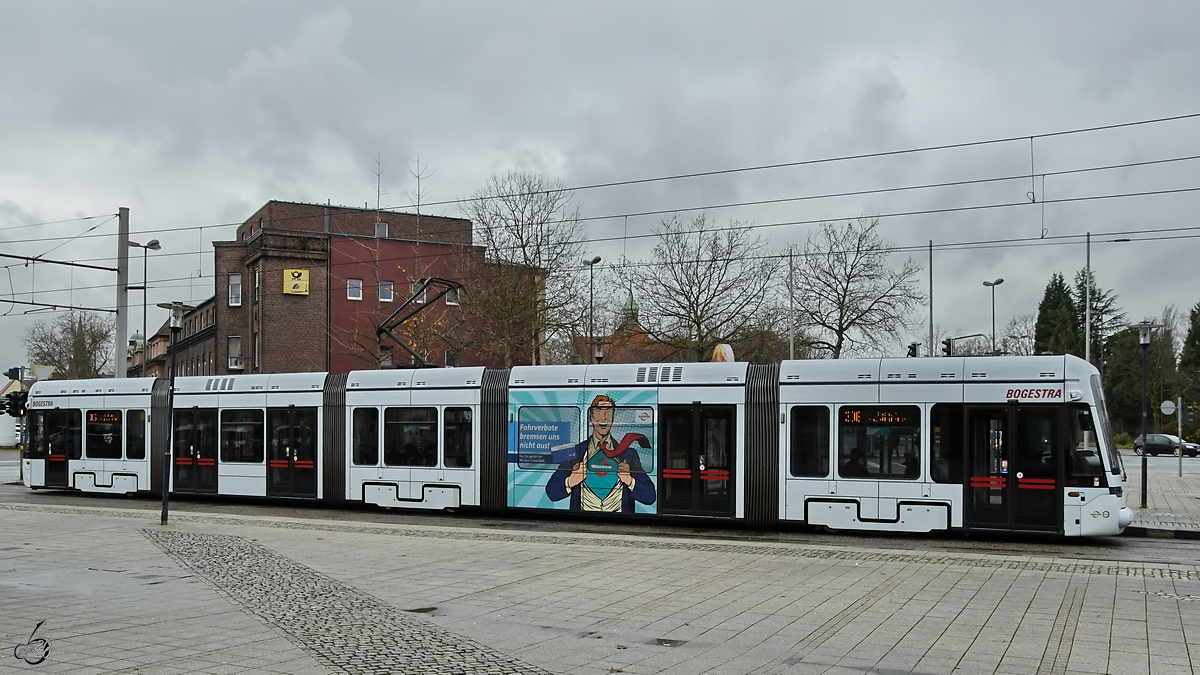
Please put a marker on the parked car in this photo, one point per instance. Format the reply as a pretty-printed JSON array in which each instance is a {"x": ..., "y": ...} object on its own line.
[{"x": 1164, "y": 444}]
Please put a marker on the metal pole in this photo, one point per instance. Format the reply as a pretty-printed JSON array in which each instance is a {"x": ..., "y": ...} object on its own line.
[
  {"x": 1087, "y": 311},
  {"x": 791, "y": 307},
  {"x": 122, "y": 331},
  {"x": 993, "y": 320},
  {"x": 931, "y": 297},
  {"x": 21, "y": 440},
  {"x": 592, "y": 311},
  {"x": 1145, "y": 415},
  {"x": 166, "y": 492},
  {"x": 145, "y": 292},
  {"x": 1179, "y": 411}
]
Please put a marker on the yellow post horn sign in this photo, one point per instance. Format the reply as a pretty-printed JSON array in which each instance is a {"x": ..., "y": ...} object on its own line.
[{"x": 295, "y": 282}]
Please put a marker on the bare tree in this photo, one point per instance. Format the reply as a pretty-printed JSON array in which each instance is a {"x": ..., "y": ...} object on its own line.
[
  {"x": 527, "y": 292},
  {"x": 846, "y": 294},
  {"x": 1018, "y": 335},
  {"x": 78, "y": 344},
  {"x": 702, "y": 286}
]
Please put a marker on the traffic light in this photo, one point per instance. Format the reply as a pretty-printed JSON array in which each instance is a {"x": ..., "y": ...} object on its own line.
[
  {"x": 10, "y": 403},
  {"x": 914, "y": 350},
  {"x": 1187, "y": 414},
  {"x": 22, "y": 402},
  {"x": 948, "y": 347},
  {"x": 13, "y": 373}
]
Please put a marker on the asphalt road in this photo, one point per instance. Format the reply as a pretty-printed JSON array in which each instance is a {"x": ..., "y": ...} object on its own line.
[{"x": 1163, "y": 465}]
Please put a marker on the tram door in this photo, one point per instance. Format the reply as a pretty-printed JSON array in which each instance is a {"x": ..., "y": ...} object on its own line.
[
  {"x": 697, "y": 458},
  {"x": 292, "y": 452},
  {"x": 1014, "y": 453},
  {"x": 56, "y": 436},
  {"x": 195, "y": 451}
]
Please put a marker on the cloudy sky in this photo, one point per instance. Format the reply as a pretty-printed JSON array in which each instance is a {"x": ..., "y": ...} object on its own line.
[{"x": 195, "y": 114}]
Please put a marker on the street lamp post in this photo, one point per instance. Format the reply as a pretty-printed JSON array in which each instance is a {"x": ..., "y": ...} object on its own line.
[
  {"x": 1144, "y": 339},
  {"x": 177, "y": 309},
  {"x": 993, "y": 285},
  {"x": 151, "y": 245},
  {"x": 591, "y": 265}
]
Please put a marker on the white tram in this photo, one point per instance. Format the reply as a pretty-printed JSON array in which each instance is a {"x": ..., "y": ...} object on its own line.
[{"x": 913, "y": 445}]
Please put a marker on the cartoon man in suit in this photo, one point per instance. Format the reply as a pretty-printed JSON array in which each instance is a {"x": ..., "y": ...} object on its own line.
[{"x": 603, "y": 474}]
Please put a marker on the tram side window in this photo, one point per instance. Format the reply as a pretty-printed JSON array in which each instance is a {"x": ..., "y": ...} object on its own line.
[
  {"x": 103, "y": 434},
  {"x": 1084, "y": 468},
  {"x": 879, "y": 442},
  {"x": 410, "y": 436},
  {"x": 945, "y": 443},
  {"x": 365, "y": 439},
  {"x": 457, "y": 437},
  {"x": 242, "y": 436},
  {"x": 135, "y": 434},
  {"x": 810, "y": 441}
]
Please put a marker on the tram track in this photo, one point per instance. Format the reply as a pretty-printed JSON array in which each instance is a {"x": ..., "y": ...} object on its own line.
[{"x": 1111, "y": 549}]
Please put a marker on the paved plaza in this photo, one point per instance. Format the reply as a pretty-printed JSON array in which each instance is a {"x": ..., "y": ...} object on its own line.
[{"x": 227, "y": 594}]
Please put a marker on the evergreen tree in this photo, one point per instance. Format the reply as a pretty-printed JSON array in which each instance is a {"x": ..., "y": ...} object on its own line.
[
  {"x": 1123, "y": 380},
  {"x": 1189, "y": 357},
  {"x": 1057, "y": 329},
  {"x": 1189, "y": 366},
  {"x": 1107, "y": 316}
]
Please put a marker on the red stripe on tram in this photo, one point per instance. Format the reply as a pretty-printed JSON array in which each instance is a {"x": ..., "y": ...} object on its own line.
[
  {"x": 187, "y": 461},
  {"x": 676, "y": 473},
  {"x": 206, "y": 461},
  {"x": 304, "y": 465},
  {"x": 1036, "y": 487},
  {"x": 277, "y": 463},
  {"x": 1050, "y": 481},
  {"x": 57, "y": 458},
  {"x": 714, "y": 475}
]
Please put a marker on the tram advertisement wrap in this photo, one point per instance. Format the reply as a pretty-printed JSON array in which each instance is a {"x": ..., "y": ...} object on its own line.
[{"x": 583, "y": 450}]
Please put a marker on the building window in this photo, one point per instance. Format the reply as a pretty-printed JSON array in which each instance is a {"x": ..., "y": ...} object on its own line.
[
  {"x": 452, "y": 296},
  {"x": 257, "y": 281},
  {"x": 354, "y": 289},
  {"x": 385, "y": 290},
  {"x": 419, "y": 288},
  {"x": 381, "y": 230},
  {"x": 257, "y": 363},
  {"x": 235, "y": 353}
]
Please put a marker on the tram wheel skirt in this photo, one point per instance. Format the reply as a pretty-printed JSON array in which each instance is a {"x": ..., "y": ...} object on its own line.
[{"x": 847, "y": 515}]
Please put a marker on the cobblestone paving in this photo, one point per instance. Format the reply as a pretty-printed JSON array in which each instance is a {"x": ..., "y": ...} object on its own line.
[
  {"x": 978, "y": 561},
  {"x": 346, "y": 629}
]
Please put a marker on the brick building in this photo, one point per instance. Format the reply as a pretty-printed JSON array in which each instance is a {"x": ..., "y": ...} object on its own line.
[{"x": 303, "y": 287}]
